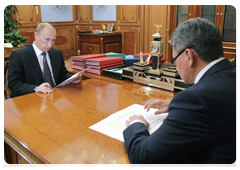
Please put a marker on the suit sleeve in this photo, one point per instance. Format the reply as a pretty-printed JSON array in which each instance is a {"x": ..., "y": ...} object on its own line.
[
  {"x": 16, "y": 77},
  {"x": 186, "y": 130}
]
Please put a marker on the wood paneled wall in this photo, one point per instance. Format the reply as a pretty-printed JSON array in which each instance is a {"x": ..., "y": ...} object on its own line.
[{"x": 135, "y": 22}]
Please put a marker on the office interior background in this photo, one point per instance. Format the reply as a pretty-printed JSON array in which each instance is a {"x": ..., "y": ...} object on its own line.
[{"x": 135, "y": 22}]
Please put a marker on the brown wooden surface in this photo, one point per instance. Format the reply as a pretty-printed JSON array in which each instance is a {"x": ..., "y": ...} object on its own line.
[
  {"x": 100, "y": 43},
  {"x": 55, "y": 127}
]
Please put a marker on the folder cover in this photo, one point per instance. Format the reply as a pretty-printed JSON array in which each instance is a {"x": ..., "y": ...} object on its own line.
[
  {"x": 103, "y": 61},
  {"x": 87, "y": 56}
]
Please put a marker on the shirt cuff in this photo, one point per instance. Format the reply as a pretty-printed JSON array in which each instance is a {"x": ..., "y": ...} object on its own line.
[{"x": 135, "y": 121}]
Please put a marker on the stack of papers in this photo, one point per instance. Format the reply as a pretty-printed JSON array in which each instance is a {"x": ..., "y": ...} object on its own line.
[{"x": 115, "y": 124}]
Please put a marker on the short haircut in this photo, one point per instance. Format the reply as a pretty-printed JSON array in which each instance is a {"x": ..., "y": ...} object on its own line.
[
  {"x": 203, "y": 33},
  {"x": 43, "y": 25}
]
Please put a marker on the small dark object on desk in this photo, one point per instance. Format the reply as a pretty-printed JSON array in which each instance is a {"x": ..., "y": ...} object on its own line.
[
  {"x": 114, "y": 72},
  {"x": 85, "y": 31}
]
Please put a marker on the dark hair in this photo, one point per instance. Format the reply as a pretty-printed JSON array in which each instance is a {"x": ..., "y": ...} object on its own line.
[{"x": 203, "y": 33}]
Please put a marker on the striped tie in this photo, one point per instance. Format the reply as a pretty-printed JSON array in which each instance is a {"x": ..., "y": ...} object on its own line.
[{"x": 47, "y": 73}]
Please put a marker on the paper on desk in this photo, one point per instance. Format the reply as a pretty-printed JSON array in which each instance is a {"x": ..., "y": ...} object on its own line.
[
  {"x": 115, "y": 124},
  {"x": 71, "y": 79}
]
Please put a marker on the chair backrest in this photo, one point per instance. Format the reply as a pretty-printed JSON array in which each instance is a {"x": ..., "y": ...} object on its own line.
[{"x": 7, "y": 91}]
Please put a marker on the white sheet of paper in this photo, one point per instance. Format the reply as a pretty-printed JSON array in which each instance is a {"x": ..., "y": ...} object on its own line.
[
  {"x": 115, "y": 124},
  {"x": 71, "y": 79}
]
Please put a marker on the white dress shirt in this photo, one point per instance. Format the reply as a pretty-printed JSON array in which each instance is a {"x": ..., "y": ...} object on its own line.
[{"x": 205, "y": 69}]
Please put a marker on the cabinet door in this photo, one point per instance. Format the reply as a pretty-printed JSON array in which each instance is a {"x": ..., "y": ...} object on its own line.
[
  {"x": 229, "y": 24},
  {"x": 182, "y": 13},
  {"x": 28, "y": 15},
  {"x": 209, "y": 12}
]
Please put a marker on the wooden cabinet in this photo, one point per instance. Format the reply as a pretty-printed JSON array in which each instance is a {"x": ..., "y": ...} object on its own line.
[
  {"x": 100, "y": 43},
  {"x": 224, "y": 16}
]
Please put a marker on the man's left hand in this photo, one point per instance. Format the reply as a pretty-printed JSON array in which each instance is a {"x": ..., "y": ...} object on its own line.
[
  {"x": 78, "y": 78},
  {"x": 135, "y": 117}
]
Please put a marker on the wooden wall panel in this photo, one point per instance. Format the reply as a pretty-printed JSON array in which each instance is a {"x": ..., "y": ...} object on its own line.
[
  {"x": 84, "y": 13},
  {"x": 156, "y": 14},
  {"x": 129, "y": 13},
  {"x": 130, "y": 25},
  {"x": 130, "y": 40},
  {"x": 28, "y": 14},
  {"x": 66, "y": 39}
]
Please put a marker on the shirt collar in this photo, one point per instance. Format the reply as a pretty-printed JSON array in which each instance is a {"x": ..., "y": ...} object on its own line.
[
  {"x": 36, "y": 49},
  {"x": 206, "y": 68}
]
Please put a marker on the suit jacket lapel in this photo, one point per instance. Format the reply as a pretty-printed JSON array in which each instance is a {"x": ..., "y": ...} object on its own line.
[{"x": 32, "y": 58}]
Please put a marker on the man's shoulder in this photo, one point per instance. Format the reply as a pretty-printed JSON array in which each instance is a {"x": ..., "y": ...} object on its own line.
[{"x": 22, "y": 50}]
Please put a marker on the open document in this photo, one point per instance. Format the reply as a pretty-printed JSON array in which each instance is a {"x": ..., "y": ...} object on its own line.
[
  {"x": 71, "y": 79},
  {"x": 115, "y": 124}
]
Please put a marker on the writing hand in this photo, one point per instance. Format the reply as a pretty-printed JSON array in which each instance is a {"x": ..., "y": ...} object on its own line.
[{"x": 163, "y": 104}]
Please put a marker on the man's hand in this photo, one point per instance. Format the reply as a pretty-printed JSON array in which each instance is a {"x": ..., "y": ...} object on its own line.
[
  {"x": 44, "y": 88},
  {"x": 163, "y": 104},
  {"x": 135, "y": 117},
  {"x": 78, "y": 78}
]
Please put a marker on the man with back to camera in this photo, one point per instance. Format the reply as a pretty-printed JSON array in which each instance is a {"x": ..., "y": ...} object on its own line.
[
  {"x": 26, "y": 66},
  {"x": 201, "y": 125}
]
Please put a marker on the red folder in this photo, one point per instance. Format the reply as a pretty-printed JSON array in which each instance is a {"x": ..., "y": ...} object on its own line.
[
  {"x": 79, "y": 67},
  {"x": 87, "y": 56},
  {"x": 103, "y": 61},
  {"x": 105, "y": 66},
  {"x": 95, "y": 71},
  {"x": 82, "y": 63}
]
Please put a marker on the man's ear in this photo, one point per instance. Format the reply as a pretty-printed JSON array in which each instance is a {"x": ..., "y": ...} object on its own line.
[
  {"x": 190, "y": 57},
  {"x": 35, "y": 35}
]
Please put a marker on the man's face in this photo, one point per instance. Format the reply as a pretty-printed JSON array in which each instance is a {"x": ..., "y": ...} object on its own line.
[{"x": 45, "y": 40}]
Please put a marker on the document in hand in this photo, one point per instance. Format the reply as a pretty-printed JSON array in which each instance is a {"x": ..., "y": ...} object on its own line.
[
  {"x": 71, "y": 79},
  {"x": 115, "y": 124}
]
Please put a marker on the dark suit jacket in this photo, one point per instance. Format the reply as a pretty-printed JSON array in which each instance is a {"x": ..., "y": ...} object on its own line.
[
  {"x": 24, "y": 72},
  {"x": 200, "y": 127}
]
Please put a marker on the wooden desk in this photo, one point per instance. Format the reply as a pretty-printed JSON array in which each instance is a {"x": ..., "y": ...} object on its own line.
[
  {"x": 54, "y": 128},
  {"x": 100, "y": 43}
]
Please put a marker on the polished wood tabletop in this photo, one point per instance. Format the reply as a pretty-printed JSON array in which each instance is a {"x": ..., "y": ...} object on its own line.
[{"x": 55, "y": 127}]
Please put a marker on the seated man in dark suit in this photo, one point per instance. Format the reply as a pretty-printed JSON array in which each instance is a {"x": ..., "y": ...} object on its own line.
[
  {"x": 38, "y": 67},
  {"x": 201, "y": 125}
]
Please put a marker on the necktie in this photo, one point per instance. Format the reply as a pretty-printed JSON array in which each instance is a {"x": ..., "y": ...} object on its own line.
[{"x": 47, "y": 73}]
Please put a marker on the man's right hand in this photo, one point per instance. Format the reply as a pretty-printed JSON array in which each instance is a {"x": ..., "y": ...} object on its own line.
[
  {"x": 44, "y": 88},
  {"x": 163, "y": 104}
]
